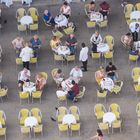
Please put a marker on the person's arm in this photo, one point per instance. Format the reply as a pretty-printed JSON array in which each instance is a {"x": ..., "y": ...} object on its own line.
[
  {"x": 100, "y": 39},
  {"x": 81, "y": 55}
]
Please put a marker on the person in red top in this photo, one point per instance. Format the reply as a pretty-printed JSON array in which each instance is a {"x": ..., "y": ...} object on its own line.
[
  {"x": 104, "y": 8},
  {"x": 74, "y": 91}
]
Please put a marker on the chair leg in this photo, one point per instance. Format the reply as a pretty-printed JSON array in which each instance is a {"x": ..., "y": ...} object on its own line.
[
  {"x": 5, "y": 136},
  {"x": 71, "y": 132},
  {"x": 40, "y": 100},
  {"x": 32, "y": 100},
  {"x": 79, "y": 132},
  {"x": 28, "y": 100},
  {"x": 34, "y": 134},
  {"x": 112, "y": 130}
]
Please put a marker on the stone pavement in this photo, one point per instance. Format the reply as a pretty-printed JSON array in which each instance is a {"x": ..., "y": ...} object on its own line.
[{"x": 127, "y": 99}]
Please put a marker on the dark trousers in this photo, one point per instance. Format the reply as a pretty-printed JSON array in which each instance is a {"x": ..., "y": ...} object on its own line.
[
  {"x": 94, "y": 47},
  {"x": 135, "y": 36},
  {"x": 36, "y": 51},
  {"x": 26, "y": 64},
  {"x": 70, "y": 95},
  {"x": 85, "y": 65}
]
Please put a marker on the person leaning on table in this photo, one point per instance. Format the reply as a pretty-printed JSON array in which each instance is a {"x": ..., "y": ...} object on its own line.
[{"x": 26, "y": 54}]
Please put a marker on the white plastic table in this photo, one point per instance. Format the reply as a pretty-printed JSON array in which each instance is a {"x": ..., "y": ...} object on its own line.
[
  {"x": 69, "y": 119},
  {"x": 135, "y": 15},
  {"x": 60, "y": 93},
  {"x": 29, "y": 87},
  {"x": 63, "y": 50},
  {"x": 26, "y": 20},
  {"x": 96, "y": 16},
  {"x": 0, "y": 125},
  {"x": 8, "y": 3},
  {"x": 66, "y": 85},
  {"x": 107, "y": 83},
  {"x": 102, "y": 47},
  {"x": 30, "y": 121},
  {"x": 109, "y": 117}
]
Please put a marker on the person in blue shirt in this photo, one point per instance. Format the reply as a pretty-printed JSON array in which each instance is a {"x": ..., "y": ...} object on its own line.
[
  {"x": 35, "y": 44},
  {"x": 48, "y": 19}
]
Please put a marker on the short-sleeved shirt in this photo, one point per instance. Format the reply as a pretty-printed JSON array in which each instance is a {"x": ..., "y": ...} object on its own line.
[
  {"x": 111, "y": 70},
  {"x": 47, "y": 17},
  {"x": 35, "y": 43},
  {"x": 71, "y": 40},
  {"x": 105, "y": 7}
]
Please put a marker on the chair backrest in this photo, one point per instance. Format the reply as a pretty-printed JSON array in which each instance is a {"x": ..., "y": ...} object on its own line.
[
  {"x": 133, "y": 57},
  {"x": 103, "y": 126},
  {"x": 25, "y": 130},
  {"x": 75, "y": 126},
  {"x": 36, "y": 94},
  {"x": 58, "y": 57},
  {"x": 63, "y": 127},
  {"x": 99, "y": 108},
  {"x": 33, "y": 60},
  {"x": 23, "y": 95},
  {"x": 24, "y": 112},
  {"x": 20, "y": 12},
  {"x": 38, "y": 128},
  {"x": 62, "y": 98},
  {"x": 73, "y": 110},
  {"x": 70, "y": 58},
  {"x": 137, "y": 107},
  {"x": 137, "y": 6},
  {"x": 103, "y": 23},
  {"x": 128, "y": 8},
  {"x": 32, "y": 11},
  {"x": 45, "y": 75},
  {"x": 108, "y": 54},
  {"x": 95, "y": 55},
  {"x": 69, "y": 30},
  {"x": 21, "y": 28},
  {"x": 2, "y": 131},
  {"x": 18, "y": 61},
  {"x": 33, "y": 27},
  {"x": 35, "y": 112},
  {"x": 91, "y": 24},
  {"x": 62, "y": 110},
  {"x": 136, "y": 71},
  {"x": 116, "y": 124},
  {"x": 101, "y": 94},
  {"x": 114, "y": 107},
  {"x": 109, "y": 40}
]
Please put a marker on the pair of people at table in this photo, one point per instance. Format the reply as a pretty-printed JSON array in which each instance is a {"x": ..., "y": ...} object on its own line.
[
  {"x": 71, "y": 42},
  {"x": 24, "y": 76}
]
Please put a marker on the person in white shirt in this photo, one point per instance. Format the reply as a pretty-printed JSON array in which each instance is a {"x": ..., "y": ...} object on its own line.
[
  {"x": 61, "y": 21},
  {"x": 95, "y": 40},
  {"x": 134, "y": 28},
  {"x": 65, "y": 9},
  {"x": 26, "y": 54},
  {"x": 84, "y": 56},
  {"x": 23, "y": 76},
  {"x": 76, "y": 74}
]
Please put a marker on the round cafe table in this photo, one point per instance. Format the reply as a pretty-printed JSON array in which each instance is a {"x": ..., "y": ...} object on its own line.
[
  {"x": 63, "y": 50},
  {"x": 26, "y": 20},
  {"x": 96, "y": 16},
  {"x": 30, "y": 121},
  {"x": 109, "y": 117},
  {"x": 135, "y": 15},
  {"x": 69, "y": 119},
  {"x": 60, "y": 93},
  {"x": 102, "y": 48}
]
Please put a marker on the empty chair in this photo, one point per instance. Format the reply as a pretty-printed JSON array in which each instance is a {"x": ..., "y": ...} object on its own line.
[
  {"x": 3, "y": 132},
  {"x": 137, "y": 6},
  {"x": 33, "y": 27},
  {"x": 116, "y": 125},
  {"x": 110, "y": 41},
  {"x": 99, "y": 111},
  {"x": 68, "y": 30},
  {"x": 137, "y": 88},
  {"x": 104, "y": 126},
  {"x": 36, "y": 112},
  {"x": 33, "y": 12},
  {"x": 63, "y": 128},
  {"x": 24, "y": 96},
  {"x": 75, "y": 127},
  {"x": 3, "y": 92},
  {"x": 20, "y": 13},
  {"x": 117, "y": 87},
  {"x": 36, "y": 95},
  {"x": 101, "y": 95},
  {"x": 103, "y": 23},
  {"x": 38, "y": 129},
  {"x": 91, "y": 24},
  {"x": 135, "y": 74},
  {"x": 132, "y": 58},
  {"x": 25, "y": 130},
  {"x": 115, "y": 108},
  {"x": 108, "y": 55},
  {"x": 2, "y": 118},
  {"x": 62, "y": 99},
  {"x": 74, "y": 110},
  {"x": 96, "y": 55},
  {"x": 70, "y": 58},
  {"x": 58, "y": 58},
  {"x": 57, "y": 34},
  {"x": 22, "y": 28},
  {"x": 128, "y": 9}
]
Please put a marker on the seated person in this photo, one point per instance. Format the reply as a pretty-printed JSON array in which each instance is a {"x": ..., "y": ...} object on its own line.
[
  {"x": 111, "y": 71},
  {"x": 71, "y": 42},
  {"x": 48, "y": 19},
  {"x": 76, "y": 74},
  {"x": 74, "y": 90},
  {"x": 40, "y": 81},
  {"x": 99, "y": 75},
  {"x": 127, "y": 40},
  {"x": 61, "y": 21},
  {"x": 104, "y": 8},
  {"x": 91, "y": 7},
  {"x": 134, "y": 51},
  {"x": 35, "y": 44},
  {"x": 95, "y": 40},
  {"x": 54, "y": 43},
  {"x": 65, "y": 9},
  {"x": 58, "y": 77},
  {"x": 23, "y": 76},
  {"x": 18, "y": 44}
]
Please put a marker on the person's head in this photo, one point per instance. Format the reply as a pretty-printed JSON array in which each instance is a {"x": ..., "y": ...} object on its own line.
[
  {"x": 101, "y": 68},
  {"x": 83, "y": 45},
  {"x": 92, "y": 3},
  {"x": 26, "y": 44},
  {"x": 46, "y": 12},
  {"x": 96, "y": 33},
  {"x": 59, "y": 71},
  {"x": 128, "y": 34},
  {"x": 99, "y": 133},
  {"x": 54, "y": 38},
  {"x": 71, "y": 35},
  {"x": 110, "y": 63},
  {"x": 73, "y": 82},
  {"x": 35, "y": 37},
  {"x": 65, "y": 3}
]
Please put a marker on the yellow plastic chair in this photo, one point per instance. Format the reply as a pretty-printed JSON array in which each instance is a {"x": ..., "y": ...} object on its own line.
[
  {"x": 75, "y": 127},
  {"x": 38, "y": 129},
  {"x": 137, "y": 88},
  {"x": 20, "y": 13},
  {"x": 115, "y": 108},
  {"x": 81, "y": 94},
  {"x": 68, "y": 30},
  {"x": 138, "y": 123},
  {"x": 57, "y": 34},
  {"x": 91, "y": 24},
  {"x": 135, "y": 74},
  {"x": 103, "y": 23},
  {"x": 117, "y": 88},
  {"x": 25, "y": 130},
  {"x": 60, "y": 118},
  {"x": 3, "y": 92},
  {"x": 86, "y": 7},
  {"x": 23, "y": 114},
  {"x": 110, "y": 41},
  {"x": 33, "y": 27},
  {"x": 116, "y": 124},
  {"x": 53, "y": 72},
  {"x": 24, "y": 96},
  {"x": 22, "y": 28},
  {"x": 74, "y": 110},
  {"x": 2, "y": 118},
  {"x": 133, "y": 58},
  {"x": 128, "y": 9},
  {"x": 99, "y": 111},
  {"x": 18, "y": 61},
  {"x": 138, "y": 110},
  {"x": 58, "y": 58},
  {"x": 96, "y": 55},
  {"x": 36, "y": 112},
  {"x": 36, "y": 95},
  {"x": 34, "y": 60},
  {"x": 104, "y": 126},
  {"x": 128, "y": 21},
  {"x": 3, "y": 132},
  {"x": 70, "y": 58},
  {"x": 62, "y": 99},
  {"x": 108, "y": 55},
  {"x": 61, "y": 111},
  {"x": 101, "y": 95},
  {"x": 33, "y": 12},
  {"x": 137, "y": 6},
  {"x": 63, "y": 128}
]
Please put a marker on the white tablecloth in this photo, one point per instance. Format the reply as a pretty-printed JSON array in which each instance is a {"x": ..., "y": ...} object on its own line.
[
  {"x": 8, "y": 3},
  {"x": 102, "y": 47},
  {"x": 60, "y": 93},
  {"x": 109, "y": 117},
  {"x": 27, "y": 1},
  {"x": 69, "y": 119},
  {"x": 63, "y": 50},
  {"x": 107, "y": 83},
  {"x": 96, "y": 16},
  {"x": 135, "y": 15},
  {"x": 26, "y": 20},
  {"x": 66, "y": 85},
  {"x": 29, "y": 87},
  {"x": 30, "y": 121}
]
